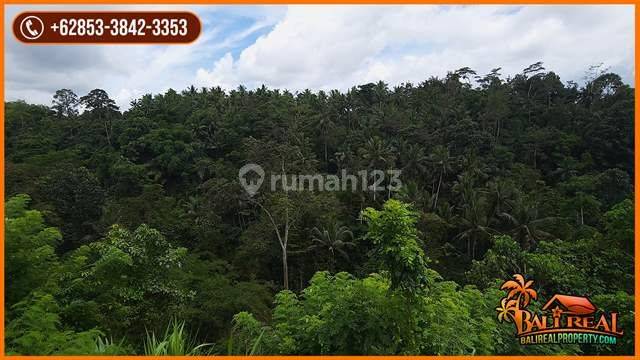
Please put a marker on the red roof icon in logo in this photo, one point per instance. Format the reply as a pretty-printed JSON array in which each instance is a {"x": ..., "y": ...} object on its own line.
[{"x": 572, "y": 305}]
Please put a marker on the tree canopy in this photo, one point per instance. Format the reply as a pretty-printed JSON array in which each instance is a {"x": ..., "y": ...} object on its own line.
[{"x": 137, "y": 237}]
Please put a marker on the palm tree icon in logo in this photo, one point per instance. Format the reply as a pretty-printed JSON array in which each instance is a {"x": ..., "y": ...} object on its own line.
[{"x": 518, "y": 298}]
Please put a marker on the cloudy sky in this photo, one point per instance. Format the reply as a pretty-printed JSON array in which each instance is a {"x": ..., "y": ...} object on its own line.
[{"x": 329, "y": 47}]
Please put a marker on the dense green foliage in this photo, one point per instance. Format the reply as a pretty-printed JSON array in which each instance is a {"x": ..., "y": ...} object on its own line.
[{"x": 136, "y": 236}]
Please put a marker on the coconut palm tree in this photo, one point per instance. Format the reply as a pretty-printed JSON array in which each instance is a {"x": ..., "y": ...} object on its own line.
[
  {"x": 465, "y": 187},
  {"x": 473, "y": 165},
  {"x": 446, "y": 211},
  {"x": 442, "y": 161},
  {"x": 500, "y": 194},
  {"x": 526, "y": 223},
  {"x": 474, "y": 225},
  {"x": 333, "y": 239},
  {"x": 414, "y": 161},
  {"x": 377, "y": 155},
  {"x": 324, "y": 125},
  {"x": 412, "y": 193}
]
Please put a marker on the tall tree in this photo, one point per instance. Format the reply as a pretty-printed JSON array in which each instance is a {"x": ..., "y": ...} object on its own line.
[
  {"x": 65, "y": 103},
  {"x": 392, "y": 230},
  {"x": 97, "y": 101},
  {"x": 442, "y": 161}
]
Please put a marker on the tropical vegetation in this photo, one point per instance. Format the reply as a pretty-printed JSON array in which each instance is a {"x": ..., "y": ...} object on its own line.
[{"x": 128, "y": 232}]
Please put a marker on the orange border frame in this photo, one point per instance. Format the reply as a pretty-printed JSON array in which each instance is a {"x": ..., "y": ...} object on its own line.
[{"x": 363, "y": 2}]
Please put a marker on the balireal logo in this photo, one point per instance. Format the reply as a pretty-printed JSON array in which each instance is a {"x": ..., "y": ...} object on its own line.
[{"x": 565, "y": 319}]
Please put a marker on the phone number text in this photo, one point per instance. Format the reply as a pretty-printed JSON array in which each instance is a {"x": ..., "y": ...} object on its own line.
[{"x": 121, "y": 27}]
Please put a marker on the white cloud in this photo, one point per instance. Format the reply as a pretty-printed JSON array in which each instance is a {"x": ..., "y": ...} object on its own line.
[
  {"x": 222, "y": 74},
  {"x": 325, "y": 47},
  {"x": 126, "y": 72}
]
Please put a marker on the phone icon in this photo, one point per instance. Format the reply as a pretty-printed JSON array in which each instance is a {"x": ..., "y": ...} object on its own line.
[{"x": 31, "y": 27}]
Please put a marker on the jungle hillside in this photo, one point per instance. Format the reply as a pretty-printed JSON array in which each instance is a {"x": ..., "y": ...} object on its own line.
[{"x": 128, "y": 232}]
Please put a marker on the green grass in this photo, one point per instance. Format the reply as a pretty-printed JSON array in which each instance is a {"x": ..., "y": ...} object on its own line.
[{"x": 175, "y": 341}]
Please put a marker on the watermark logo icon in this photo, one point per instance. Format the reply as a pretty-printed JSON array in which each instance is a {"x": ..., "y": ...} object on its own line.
[{"x": 251, "y": 178}]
